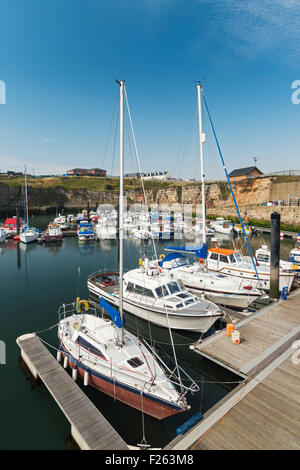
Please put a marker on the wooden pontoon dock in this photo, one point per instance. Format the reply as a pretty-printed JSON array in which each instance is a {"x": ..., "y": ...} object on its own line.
[
  {"x": 89, "y": 428},
  {"x": 263, "y": 411}
]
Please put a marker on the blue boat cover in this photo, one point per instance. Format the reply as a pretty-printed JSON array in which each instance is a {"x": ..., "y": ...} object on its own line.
[
  {"x": 113, "y": 313},
  {"x": 200, "y": 251},
  {"x": 171, "y": 256}
]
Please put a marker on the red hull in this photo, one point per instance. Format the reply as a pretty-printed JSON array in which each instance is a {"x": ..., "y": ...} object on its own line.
[
  {"x": 55, "y": 238},
  {"x": 148, "y": 406}
]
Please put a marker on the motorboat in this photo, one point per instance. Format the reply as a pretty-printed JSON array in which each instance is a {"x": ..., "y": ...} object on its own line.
[
  {"x": 219, "y": 288},
  {"x": 221, "y": 225},
  {"x": 233, "y": 263},
  {"x": 10, "y": 226},
  {"x": 85, "y": 232},
  {"x": 53, "y": 233},
  {"x": 155, "y": 296}
]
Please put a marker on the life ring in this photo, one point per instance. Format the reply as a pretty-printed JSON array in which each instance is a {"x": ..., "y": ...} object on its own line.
[
  {"x": 162, "y": 256},
  {"x": 81, "y": 305}
]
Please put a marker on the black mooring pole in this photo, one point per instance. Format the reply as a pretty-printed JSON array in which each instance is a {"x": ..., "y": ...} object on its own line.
[
  {"x": 275, "y": 255},
  {"x": 18, "y": 219}
]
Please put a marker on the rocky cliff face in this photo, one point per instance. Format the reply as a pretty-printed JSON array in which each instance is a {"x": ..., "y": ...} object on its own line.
[{"x": 249, "y": 194}]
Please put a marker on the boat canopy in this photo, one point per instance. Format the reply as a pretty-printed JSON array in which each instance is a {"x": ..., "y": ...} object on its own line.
[
  {"x": 200, "y": 251},
  {"x": 170, "y": 257}
]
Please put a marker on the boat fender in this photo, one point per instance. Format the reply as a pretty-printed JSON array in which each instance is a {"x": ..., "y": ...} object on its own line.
[
  {"x": 201, "y": 260},
  {"x": 284, "y": 293},
  {"x": 189, "y": 423}
]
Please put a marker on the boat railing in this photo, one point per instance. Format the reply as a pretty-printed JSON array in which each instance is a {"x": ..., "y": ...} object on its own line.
[
  {"x": 67, "y": 310},
  {"x": 174, "y": 377}
]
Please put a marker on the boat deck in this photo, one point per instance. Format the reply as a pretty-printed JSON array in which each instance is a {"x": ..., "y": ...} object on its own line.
[{"x": 89, "y": 428}]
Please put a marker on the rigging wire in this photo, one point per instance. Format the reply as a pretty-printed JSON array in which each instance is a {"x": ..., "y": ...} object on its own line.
[{"x": 147, "y": 209}]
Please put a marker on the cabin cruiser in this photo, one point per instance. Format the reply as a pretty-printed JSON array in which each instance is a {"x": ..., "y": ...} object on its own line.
[
  {"x": 53, "y": 233},
  {"x": 62, "y": 221},
  {"x": 295, "y": 259},
  {"x": 156, "y": 296},
  {"x": 233, "y": 263},
  {"x": 10, "y": 226},
  {"x": 263, "y": 257},
  {"x": 219, "y": 288},
  {"x": 85, "y": 231},
  {"x": 221, "y": 225}
]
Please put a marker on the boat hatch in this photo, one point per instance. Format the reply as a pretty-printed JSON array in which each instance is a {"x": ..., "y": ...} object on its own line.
[
  {"x": 135, "y": 362},
  {"x": 89, "y": 347}
]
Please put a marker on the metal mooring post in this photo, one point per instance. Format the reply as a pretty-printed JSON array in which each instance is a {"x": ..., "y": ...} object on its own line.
[{"x": 275, "y": 255}]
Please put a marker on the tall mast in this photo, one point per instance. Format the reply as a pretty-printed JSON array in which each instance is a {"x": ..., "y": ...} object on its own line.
[
  {"x": 201, "y": 141},
  {"x": 26, "y": 202},
  {"x": 121, "y": 203}
]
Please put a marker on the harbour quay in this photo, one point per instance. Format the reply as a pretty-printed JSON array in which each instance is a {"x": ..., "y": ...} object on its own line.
[{"x": 263, "y": 411}]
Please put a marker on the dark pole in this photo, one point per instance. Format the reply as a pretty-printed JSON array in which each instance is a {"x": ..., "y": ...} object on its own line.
[
  {"x": 275, "y": 255},
  {"x": 18, "y": 220}
]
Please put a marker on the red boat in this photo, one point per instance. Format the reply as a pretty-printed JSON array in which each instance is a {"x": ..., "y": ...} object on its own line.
[{"x": 10, "y": 225}]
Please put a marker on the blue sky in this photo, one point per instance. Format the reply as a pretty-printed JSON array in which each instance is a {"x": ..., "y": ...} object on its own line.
[{"x": 59, "y": 60}]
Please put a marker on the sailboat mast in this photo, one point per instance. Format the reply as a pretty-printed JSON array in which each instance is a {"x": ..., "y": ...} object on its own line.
[
  {"x": 121, "y": 204},
  {"x": 26, "y": 202},
  {"x": 201, "y": 141}
]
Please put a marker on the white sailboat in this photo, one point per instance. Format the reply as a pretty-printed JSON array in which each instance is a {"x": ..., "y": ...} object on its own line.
[
  {"x": 28, "y": 234},
  {"x": 111, "y": 358}
]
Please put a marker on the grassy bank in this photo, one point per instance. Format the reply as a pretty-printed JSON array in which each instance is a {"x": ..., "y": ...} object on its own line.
[{"x": 91, "y": 183}]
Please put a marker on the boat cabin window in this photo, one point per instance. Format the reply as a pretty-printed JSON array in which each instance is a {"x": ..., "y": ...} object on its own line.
[
  {"x": 232, "y": 258},
  {"x": 173, "y": 287},
  {"x": 135, "y": 362},
  {"x": 89, "y": 347},
  {"x": 161, "y": 291},
  {"x": 136, "y": 289},
  {"x": 214, "y": 256},
  {"x": 263, "y": 257},
  {"x": 223, "y": 259}
]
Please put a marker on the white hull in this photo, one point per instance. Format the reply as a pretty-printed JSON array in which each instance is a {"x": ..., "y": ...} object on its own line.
[
  {"x": 158, "y": 317},
  {"x": 230, "y": 300},
  {"x": 285, "y": 280},
  {"x": 28, "y": 237}
]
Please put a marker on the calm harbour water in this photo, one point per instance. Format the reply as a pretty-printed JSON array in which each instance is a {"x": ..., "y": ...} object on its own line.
[{"x": 35, "y": 280}]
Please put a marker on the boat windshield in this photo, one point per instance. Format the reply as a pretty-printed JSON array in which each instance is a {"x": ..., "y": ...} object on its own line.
[
  {"x": 232, "y": 258},
  {"x": 173, "y": 287}
]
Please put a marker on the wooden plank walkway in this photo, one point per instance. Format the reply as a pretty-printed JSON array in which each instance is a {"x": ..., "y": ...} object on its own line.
[
  {"x": 263, "y": 412},
  {"x": 89, "y": 428},
  {"x": 263, "y": 335}
]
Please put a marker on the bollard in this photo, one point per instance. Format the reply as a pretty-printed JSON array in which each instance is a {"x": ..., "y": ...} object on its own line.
[{"x": 275, "y": 255}]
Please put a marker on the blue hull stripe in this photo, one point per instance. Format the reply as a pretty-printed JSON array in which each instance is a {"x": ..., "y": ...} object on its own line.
[{"x": 119, "y": 384}]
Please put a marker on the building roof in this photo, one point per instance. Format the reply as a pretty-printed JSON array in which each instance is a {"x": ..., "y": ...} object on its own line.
[{"x": 244, "y": 171}]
